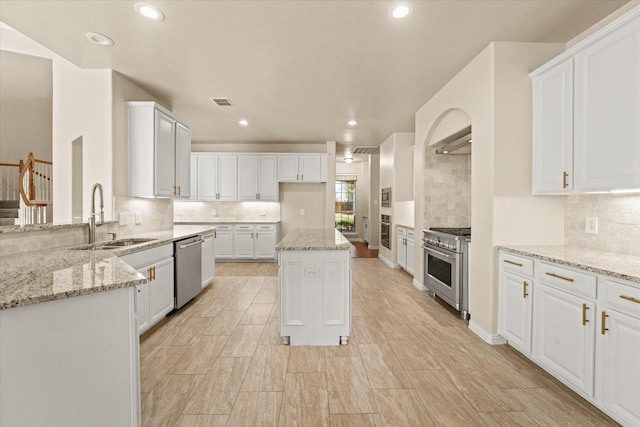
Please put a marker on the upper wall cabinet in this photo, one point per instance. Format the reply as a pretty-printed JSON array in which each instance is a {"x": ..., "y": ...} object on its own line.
[
  {"x": 217, "y": 177},
  {"x": 159, "y": 152},
  {"x": 586, "y": 114},
  {"x": 302, "y": 168},
  {"x": 257, "y": 177}
]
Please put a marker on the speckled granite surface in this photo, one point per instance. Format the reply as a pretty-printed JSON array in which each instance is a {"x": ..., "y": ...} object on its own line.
[
  {"x": 314, "y": 239},
  {"x": 58, "y": 273},
  {"x": 611, "y": 264}
]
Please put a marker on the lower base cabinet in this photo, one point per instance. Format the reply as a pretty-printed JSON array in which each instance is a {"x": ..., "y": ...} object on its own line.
[
  {"x": 208, "y": 259},
  {"x": 246, "y": 242},
  {"x": 154, "y": 299},
  {"x": 585, "y": 330},
  {"x": 315, "y": 297}
]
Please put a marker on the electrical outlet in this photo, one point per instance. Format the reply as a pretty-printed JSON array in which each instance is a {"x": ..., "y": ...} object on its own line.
[
  {"x": 302, "y": 212},
  {"x": 591, "y": 225},
  {"x": 123, "y": 218},
  {"x": 137, "y": 217}
]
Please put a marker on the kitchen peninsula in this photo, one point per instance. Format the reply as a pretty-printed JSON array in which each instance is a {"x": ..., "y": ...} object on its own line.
[{"x": 314, "y": 287}]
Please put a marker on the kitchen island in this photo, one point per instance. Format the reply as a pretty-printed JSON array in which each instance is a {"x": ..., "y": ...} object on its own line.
[
  {"x": 314, "y": 287},
  {"x": 69, "y": 347}
]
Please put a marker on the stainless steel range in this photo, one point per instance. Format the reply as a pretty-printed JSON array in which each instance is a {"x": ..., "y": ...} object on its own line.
[{"x": 446, "y": 266}]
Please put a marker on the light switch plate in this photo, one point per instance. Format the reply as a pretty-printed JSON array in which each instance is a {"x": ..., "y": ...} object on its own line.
[
  {"x": 123, "y": 218},
  {"x": 591, "y": 225},
  {"x": 302, "y": 212},
  {"x": 138, "y": 218}
]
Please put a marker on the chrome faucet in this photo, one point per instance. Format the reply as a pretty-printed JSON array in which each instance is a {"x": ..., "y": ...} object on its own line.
[{"x": 92, "y": 217}]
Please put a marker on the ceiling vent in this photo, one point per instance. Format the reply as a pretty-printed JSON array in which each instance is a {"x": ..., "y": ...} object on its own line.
[
  {"x": 222, "y": 102},
  {"x": 372, "y": 149}
]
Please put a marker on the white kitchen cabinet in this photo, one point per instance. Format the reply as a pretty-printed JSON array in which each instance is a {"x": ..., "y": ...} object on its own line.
[
  {"x": 586, "y": 104},
  {"x": 553, "y": 130},
  {"x": 265, "y": 242},
  {"x": 620, "y": 333},
  {"x": 516, "y": 301},
  {"x": 243, "y": 238},
  {"x": 302, "y": 168},
  {"x": 405, "y": 247},
  {"x": 194, "y": 177},
  {"x": 257, "y": 177},
  {"x": 315, "y": 297},
  {"x": 159, "y": 147},
  {"x": 71, "y": 362},
  {"x": 217, "y": 177},
  {"x": 607, "y": 111},
  {"x": 208, "y": 258},
  {"x": 224, "y": 241},
  {"x": 154, "y": 299},
  {"x": 564, "y": 338}
]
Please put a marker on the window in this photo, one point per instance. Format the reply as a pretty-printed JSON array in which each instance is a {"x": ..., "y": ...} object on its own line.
[{"x": 346, "y": 203}]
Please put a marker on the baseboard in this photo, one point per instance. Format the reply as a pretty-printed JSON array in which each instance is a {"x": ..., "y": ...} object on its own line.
[
  {"x": 419, "y": 285},
  {"x": 355, "y": 239},
  {"x": 371, "y": 247},
  {"x": 386, "y": 261},
  {"x": 493, "y": 339}
]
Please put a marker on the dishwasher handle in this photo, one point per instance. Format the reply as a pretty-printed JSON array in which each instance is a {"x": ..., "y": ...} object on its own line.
[{"x": 197, "y": 242}]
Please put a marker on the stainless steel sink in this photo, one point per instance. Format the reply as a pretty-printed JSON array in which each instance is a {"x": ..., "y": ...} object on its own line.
[{"x": 112, "y": 244}]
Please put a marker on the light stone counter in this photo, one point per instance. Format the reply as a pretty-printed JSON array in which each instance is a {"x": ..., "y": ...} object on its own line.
[
  {"x": 314, "y": 239},
  {"x": 57, "y": 273},
  {"x": 624, "y": 267}
]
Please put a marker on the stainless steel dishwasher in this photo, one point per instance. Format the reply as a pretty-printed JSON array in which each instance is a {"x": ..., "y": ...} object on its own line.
[{"x": 188, "y": 269}]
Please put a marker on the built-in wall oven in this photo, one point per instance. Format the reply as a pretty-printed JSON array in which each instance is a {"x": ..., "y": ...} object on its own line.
[
  {"x": 385, "y": 231},
  {"x": 385, "y": 197},
  {"x": 446, "y": 266}
]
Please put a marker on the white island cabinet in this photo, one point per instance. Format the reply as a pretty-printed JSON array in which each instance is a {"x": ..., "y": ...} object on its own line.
[{"x": 314, "y": 291}]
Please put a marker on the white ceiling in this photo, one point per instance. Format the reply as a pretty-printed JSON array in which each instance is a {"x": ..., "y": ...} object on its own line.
[{"x": 297, "y": 70}]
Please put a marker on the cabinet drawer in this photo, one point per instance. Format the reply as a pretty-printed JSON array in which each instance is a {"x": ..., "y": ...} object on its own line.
[
  {"x": 245, "y": 227},
  {"x": 516, "y": 264},
  {"x": 574, "y": 282},
  {"x": 623, "y": 298},
  {"x": 409, "y": 232},
  {"x": 265, "y": 227},
  {"x": 224, "y": 227}
]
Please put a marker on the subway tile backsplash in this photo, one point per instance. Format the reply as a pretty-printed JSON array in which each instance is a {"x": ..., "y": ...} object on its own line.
[
  {"x": 618, "y": 222},
  {"x": 221, "y": 212}
]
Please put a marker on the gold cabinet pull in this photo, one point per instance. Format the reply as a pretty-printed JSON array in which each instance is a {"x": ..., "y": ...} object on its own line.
[
  {"x": 153, "y": 273},
  {"x": 602, "y": 323},
  {"x": 632, "y": 299},
  {"x": 512, "y": 262},
  {"x": 584, "y": 314},
  {"x": 557, "y": 276},
  {"x": 150, "y": 275},
  {"x": 179, "y": 190},
  {"x": 174, "y": 190},
  {"x": 215, "y": 234},
  {"x": 565, "y": 182},
  {"x": 524, "y": 289}
]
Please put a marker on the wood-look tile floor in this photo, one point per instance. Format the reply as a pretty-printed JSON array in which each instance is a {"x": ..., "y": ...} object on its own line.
[{"x": 410, "y": 361}]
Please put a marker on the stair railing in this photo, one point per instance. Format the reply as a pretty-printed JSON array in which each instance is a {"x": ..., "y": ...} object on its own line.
[
  {"x": 9, "y": 181},
  {"x": 36, "y": 181}
]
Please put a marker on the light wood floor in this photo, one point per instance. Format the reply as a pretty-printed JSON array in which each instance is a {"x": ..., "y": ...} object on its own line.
[{"x": 410, "y": 361}]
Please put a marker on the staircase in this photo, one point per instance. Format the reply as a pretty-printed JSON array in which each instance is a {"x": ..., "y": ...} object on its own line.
[
  {"x": 9, "y": 211},
  {"x": 26, "y": 189}
]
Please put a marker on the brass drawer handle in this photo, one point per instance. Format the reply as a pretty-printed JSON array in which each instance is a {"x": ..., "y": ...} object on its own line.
[
  {"x": 557, "y": 276},
  {"x": 524, "y": 289},
  {"x": 514, "y": 263},
  {"x": 603, "y": 329},
  {"x": 584, "y": 314},
  {"x": 632, "y": 299},
  {"x": 565, "y": 184}
]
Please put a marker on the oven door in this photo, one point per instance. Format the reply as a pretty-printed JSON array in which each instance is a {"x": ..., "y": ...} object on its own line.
[
  {"x": 385, "y": 234},
  {"x": 443, "y": 274}
]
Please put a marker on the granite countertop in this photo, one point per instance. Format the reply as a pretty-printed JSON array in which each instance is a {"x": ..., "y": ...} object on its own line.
[
  {"x": 314, "y": 239},
  {"x": 57, "y": 273},
  {"x": 624, "y": 267}
]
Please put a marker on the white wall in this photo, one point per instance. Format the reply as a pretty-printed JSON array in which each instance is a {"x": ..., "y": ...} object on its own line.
[
  {"x": 307, "y": 196},
  {"x": 494, "y": 90}
]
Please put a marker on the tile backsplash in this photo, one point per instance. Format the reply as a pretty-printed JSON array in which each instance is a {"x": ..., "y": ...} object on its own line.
[
  {"x": 618, "y": 222},
  {"x": 447, "y": 190},
  {"x": 221, "y": 212}
]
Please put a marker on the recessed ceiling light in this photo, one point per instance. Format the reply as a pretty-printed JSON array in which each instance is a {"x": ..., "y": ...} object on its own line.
[
  {"x": 99, "y": 39},
  {"x": 352, "y": 123},
  {"x": 401, "y": 10},
  {"x": 348, "y": 159},
  {"x": 243, "y": 122},
  {"x": 149, "y": 11}
]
